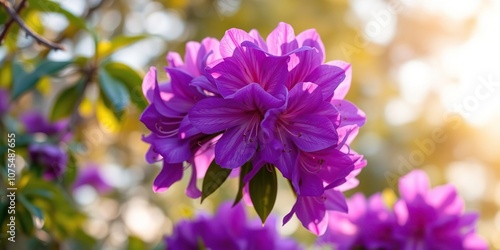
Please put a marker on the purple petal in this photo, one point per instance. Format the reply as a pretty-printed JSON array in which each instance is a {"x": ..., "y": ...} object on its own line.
[
  {"x": 203, "y": 83},
  {"x": 251, "y": 67},
  {"x": 203, "y": 157},
  {"x": 474, "y": 242},
  {"x": 446, "y": 200},
  {"x": 173, "y": 150},
  {"x": 350, "y": 114},
  {"x": 186, "y": 129},
  {"x": 212, "y": 115},
  {"x": 169, "y": 174},
  {"x": 281, "y": 40},
  {"x": 302, "y": 63},
  {"x": 230, "y": 44},
  {"x": 152, "y": 156},
  {"x": 233, "y": 149},
  {"x": 307, "y": 184},
  {"x": 311, "y": 212},
  {"x": 209, "y": 51},
  {"x": 259, "y": 41},
  {"x": 312, "y": 39},
  {"x": 328, "y": 77},
  {"x": 149, "y": 83},
  {"x": 174, "y": 60},
  {"x": 344, "y": 86},
  {"x": 192, "y": 190},
  {"x": 304, "y": 98},
  {"x": 335, "y": 201},
  {"x": 313, "y": 132},
  {"x": 191, "y": 58},
  {"x": 413, "y": 184}
]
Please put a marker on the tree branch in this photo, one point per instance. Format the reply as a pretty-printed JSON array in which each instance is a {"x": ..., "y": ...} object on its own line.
[
  {"x": 11, "y": 21},
  {"x": 39, "y": 39}
]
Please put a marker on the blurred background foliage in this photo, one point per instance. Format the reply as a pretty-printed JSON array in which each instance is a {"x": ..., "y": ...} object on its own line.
[{"x": 425, "y": 72}]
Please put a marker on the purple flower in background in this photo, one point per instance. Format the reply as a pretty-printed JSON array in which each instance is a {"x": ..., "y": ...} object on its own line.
[
  {"x": 433, "y": 217},
  {"x": 272, "y": 102},
  {"x": 51, "y": 158},
  {"x": 34, "y": 122},
  {"x": 229, "y": 228},
  {"x": 91, "y": 175},
  {"x": 46, "y": 155},
  {"x": 369, "y": 224},
  {"x": 423, "y": 218},
  {"x": 4, "y": 101}
]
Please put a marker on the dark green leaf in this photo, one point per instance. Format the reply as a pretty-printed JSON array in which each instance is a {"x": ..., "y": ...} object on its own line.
[
  {"x": 215, "y": 176},
  {"x": 35, "y": 211},
  {"x": 131, "y": 79},
  {"x": 25, "y": 81},
  {"x": 263, "y": 190},
  {"x": 4, "y": 212},
  {"x": 114, "y": 91},
  {"x": 245, "y": 169},
  {"x": 3, "y": 15},
  {"x": 39, "y": 194},
  {"x": 66, "y": 101},
  {"x": 25, "y": 220}
]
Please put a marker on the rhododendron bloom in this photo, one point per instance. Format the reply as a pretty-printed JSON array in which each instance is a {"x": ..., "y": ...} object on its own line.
[
  {"x": 261, "y": 103},
  {"x": 423, "y": 218},
  {"x": 229, "y": 228}
]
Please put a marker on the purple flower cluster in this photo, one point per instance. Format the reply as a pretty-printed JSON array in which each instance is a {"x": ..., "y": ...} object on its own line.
[
  {"x": 229, "y": 228},
  {"x": 422, "y": 218},
  {"x": 265, "y": 102},
  {"x": 47, "y": 155}
]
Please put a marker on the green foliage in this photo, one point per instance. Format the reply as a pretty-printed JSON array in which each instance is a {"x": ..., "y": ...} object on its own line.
[
  {"x": 66, "y": 101},
  {"x": 116, "y": 94},
  {"x": 24, "y": 81},
  {"x": 245, "y": 169},
  {"x": 215, "y": 176},
  {"x": 263, "y": 191},
  {"x": 130, "y": 79},
  {"x": 49, "y": 6}
]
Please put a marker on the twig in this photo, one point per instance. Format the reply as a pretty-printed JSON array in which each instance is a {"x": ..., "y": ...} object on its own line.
[
  {"x": 41, "y": 40},
  {"x": 11, "y": 21}
]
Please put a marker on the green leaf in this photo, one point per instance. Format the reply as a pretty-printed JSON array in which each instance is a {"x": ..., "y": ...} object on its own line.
[
  {"x": 114, "y": 91},
  {"x": 4, "y": 211},
  {"x": 66, "y": 101},
  {"x": 25, "y": 220},
  {"x": 263, "y": 190},
  {"x": 215, "y": 176},
  {"x": 106, "y": 48},
  {"x": 245, "y": 169},
  {"x": 35, "y": 211},
  {"x": 25, "y": 81},
  {"x": 131, "y": 79},
  {"x": 135, "y": 242},
  {"x": 51, "y": 6},
  {"x": 3, "y": 16}
]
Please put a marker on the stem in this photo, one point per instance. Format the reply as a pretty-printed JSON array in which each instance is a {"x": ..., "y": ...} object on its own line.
[
  {"x": 41, "y": 40},
  {"x": 11, "y": 21}
]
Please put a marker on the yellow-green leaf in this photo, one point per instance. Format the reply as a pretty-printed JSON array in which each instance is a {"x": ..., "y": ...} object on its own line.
[{"x": 106, "y": 48}]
